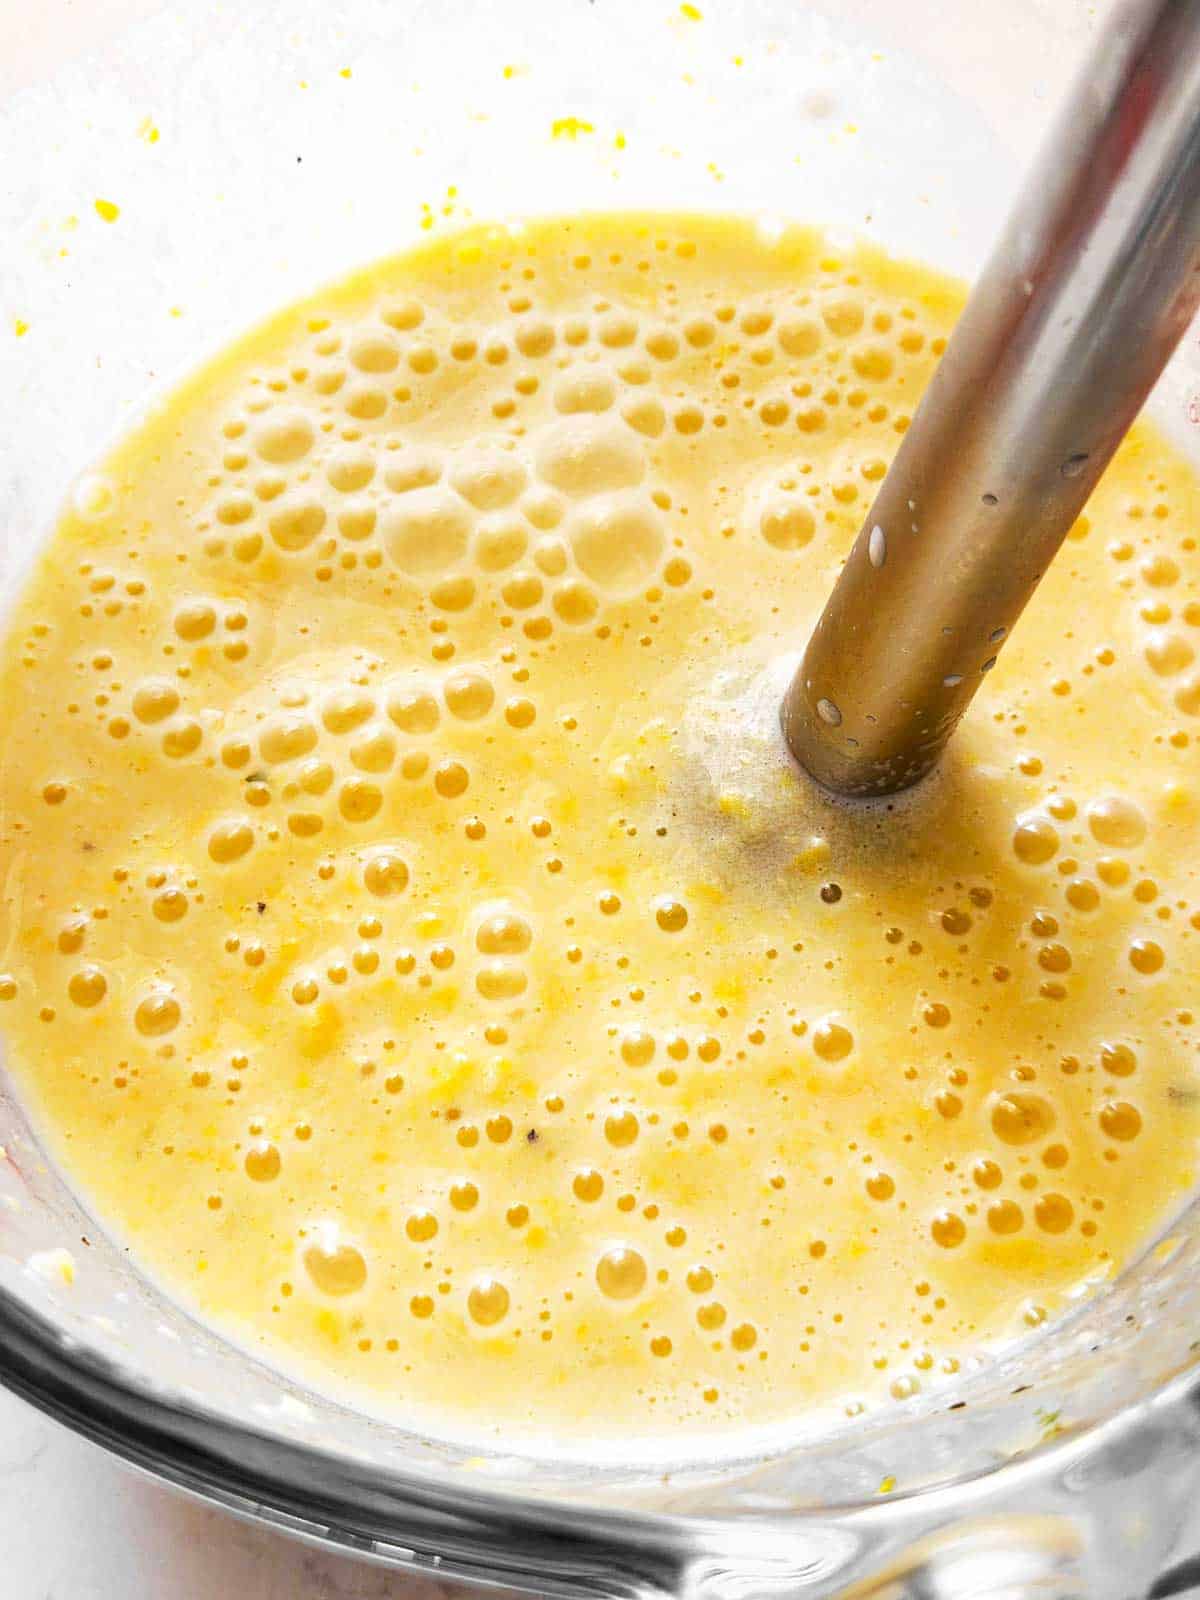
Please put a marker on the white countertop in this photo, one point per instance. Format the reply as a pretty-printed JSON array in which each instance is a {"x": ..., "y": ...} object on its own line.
[{"x": 76, "y": 1526}]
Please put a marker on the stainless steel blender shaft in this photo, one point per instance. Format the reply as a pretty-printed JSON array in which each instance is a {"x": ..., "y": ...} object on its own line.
[{"x": 1087, "y": 293}]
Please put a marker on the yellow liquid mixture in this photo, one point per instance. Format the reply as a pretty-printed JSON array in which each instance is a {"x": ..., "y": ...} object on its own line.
[{"x": 415, "y": 940}]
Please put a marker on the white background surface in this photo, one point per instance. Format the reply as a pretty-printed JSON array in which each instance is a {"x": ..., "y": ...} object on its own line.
[{"x": 74, "y": 1525}]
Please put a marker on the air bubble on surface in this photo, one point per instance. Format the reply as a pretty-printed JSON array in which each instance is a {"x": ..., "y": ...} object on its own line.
[
  {"x": 284, "y": 437},
  {"x": 621, "y": 1273},
  {"x": 786, "y": 523},
  {"x": 582, "y": 456},
  {"x": 490, "y": 480},
  {"x": 488, "y": 1302},
  {"x": 286, "y": 738},
  {"x": 1035, "y": 840},
  {"x": 350, "y": 469},
  {"x": 427, "y": 531},
  {"x": 1019, "y": 1118},
  {"x": 1116, "y": 822},
  {"x": 413, "y": 707},
  {"x": 584, "y": 389},
  {"x": 156, "y": 1014},
  {"x": 154, "y": 699},
  {"x": 469, "y": 695},
  {"x": 297, "y": 523},
  {"x": 230, "y": 840},
  {"x": 343, "y": 710},
  {"x": 412, "y": 468},
  {"x": 335, "y": 1267},
  {"x": 617, "y": 541},
  {"x": 500, "y": 542}
]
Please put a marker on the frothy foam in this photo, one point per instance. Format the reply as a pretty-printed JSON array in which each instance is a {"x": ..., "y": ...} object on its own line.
[{"x": 421, "y": 938}]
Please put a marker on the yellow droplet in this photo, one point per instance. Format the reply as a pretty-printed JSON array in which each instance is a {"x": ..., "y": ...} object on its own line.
[{"x": 569, "y": 128}]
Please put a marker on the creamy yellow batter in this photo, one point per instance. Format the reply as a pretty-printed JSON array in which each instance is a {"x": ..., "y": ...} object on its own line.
[{"x": 414, "y": 939}]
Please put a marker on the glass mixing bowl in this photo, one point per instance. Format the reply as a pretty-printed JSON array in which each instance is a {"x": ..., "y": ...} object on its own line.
[{"x": 252, "y": 152}]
